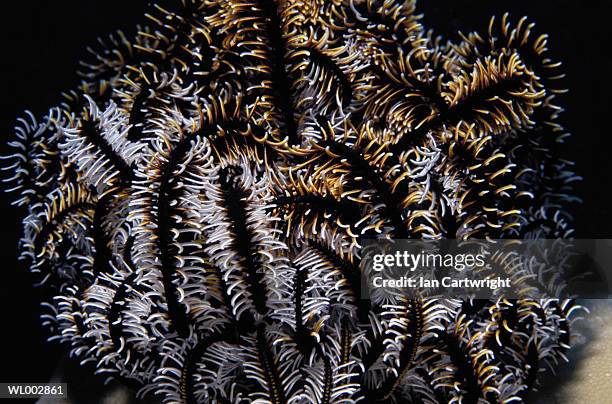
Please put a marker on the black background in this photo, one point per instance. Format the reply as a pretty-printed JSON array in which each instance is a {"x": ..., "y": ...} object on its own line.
[{"x": 41, "y": 42}]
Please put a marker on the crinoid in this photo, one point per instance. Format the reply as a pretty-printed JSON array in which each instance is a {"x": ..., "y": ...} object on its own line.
[{"x": 197, "y": 205}]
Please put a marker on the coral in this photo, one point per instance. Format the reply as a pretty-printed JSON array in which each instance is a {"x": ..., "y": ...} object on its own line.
[{"x": 197, "y": 206}]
